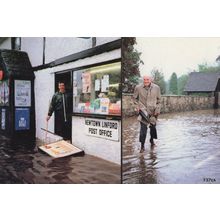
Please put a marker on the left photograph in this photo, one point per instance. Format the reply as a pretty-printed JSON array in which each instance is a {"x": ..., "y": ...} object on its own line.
[{"x": 60, "y": 110}]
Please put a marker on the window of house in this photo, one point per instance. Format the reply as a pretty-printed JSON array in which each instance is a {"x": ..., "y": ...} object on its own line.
[{"x": 96, "y": 90}]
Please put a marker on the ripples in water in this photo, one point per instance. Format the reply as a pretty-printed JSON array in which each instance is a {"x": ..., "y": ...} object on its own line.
[{"x": 185, "y": 142}]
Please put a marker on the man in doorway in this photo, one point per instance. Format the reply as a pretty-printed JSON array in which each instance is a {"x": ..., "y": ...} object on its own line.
[
  {"x": 60, "y": 105},
  {"x": 147, "y": 98}
]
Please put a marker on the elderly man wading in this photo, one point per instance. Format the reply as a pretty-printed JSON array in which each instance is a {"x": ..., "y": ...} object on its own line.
[{"x": 147, "y": 99}]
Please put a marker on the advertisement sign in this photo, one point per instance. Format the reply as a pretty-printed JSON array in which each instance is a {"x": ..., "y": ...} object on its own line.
[
  {"x": 22, "y": 119},
  {"x": 22, "y": 93},
  {"x": 107, "y": 129}
]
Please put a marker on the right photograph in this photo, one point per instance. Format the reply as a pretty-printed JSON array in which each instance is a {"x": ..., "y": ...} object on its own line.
[{"x": 170, "y": 109}]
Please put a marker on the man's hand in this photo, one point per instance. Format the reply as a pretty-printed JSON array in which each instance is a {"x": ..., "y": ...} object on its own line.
[
  {"x": 137, "y": 109},
  {"x": 156, "y": 115},
  {"x": 48, "y": 118}
]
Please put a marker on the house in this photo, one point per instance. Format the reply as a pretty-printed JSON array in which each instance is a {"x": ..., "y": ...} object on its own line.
[
  {"x": 207, "y": 83},
  {"x": 91, "y": 70}
]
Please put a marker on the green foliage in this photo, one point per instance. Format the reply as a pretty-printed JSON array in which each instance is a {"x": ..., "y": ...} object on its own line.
[
  {"x": 134, "y": 79},
  {"x": 173, "y": 84},
  {"x": 205, "y": 68},
  {"x": 182, "y": 80},
  {"x": 159, "y": 80},
  {"x": 130, "y": 64}
]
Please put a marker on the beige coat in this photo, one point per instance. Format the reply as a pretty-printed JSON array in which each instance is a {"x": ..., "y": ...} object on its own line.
[{"x": 149, "y": 97}]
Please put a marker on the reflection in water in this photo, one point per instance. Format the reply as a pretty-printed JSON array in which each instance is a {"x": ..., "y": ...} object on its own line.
[
  {"x": 187, "y": 150},
  {"x": 23, "y": 163},
  {"x": 148, "y": 172}
]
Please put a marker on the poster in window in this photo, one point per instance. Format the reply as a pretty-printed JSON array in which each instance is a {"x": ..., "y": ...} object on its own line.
[
  {"x": 105, "y": 83},
  {"x": 86, "y": 82},
  {"x": 104, "y": 105},
  {"x": 22, "y": 93},
  {"x": 3, "y": 119},
  {"x": 22, "y": 119},
  {"x": 97, "y": 85}
]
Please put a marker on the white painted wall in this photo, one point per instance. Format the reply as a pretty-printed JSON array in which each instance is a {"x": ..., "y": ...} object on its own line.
[
  {"x": 106, "y": 149},
  {"x": 57, "y": 47},
  {"x": 44, "y": 90},
  {"x": 6, "y": 44},
  {"x": 34, "y": 47},
  {"x": 104, "y": 40}
]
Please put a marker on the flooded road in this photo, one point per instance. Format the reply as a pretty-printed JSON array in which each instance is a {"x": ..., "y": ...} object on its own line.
[
  {"x": 187, "y": 151},
  {"x": 23, "y": 163}
]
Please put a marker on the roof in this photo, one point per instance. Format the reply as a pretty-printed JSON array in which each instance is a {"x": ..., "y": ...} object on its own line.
[
  {"x": 202, "y": 82},
  {"x": 15, "y": 63}
]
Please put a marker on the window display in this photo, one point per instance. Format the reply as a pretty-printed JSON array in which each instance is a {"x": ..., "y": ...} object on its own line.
[{"x": 96, "y": 90}]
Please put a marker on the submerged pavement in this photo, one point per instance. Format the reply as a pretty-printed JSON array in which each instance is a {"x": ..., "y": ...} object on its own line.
[
  {"x": 187, "y": 151},
  {"x": 24, "y": 163}
]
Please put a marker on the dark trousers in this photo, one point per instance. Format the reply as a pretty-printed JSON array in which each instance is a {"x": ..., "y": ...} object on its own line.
[
  {"x": 143, "y": 133},
  {"x": 62, "y": 128}
]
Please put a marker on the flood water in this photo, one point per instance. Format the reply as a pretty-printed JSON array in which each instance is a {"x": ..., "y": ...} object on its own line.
[
  {"x": 23, "y": 163},
  {"x": 187, "y": 151}
]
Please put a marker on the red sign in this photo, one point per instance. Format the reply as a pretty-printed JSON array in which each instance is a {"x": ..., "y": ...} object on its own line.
[{"x": 1, "y": 74}]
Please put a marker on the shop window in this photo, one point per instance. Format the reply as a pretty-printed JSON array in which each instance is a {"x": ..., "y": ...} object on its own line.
[{"x": 96, "y": 90}]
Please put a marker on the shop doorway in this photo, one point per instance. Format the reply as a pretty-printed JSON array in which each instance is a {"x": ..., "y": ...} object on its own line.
[{"x": 65, "y": 77}]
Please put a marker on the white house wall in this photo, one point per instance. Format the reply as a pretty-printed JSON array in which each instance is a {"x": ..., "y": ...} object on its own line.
[
  {"x": 34, "y": 47},
  {"x": 104, "y": 40},
  {"x": 6, "y": 44},
  {"x": 57, "y": 47}
]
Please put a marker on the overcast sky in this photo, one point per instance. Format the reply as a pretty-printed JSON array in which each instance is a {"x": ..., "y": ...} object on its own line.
[{"x": 180, "y": 55}]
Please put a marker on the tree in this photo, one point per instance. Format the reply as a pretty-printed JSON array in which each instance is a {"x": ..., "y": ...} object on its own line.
[
  {"x": 182, "y": 80},
  {"x": 205, "y": 68},
  {"x": 130, "y": 64},
  {"x": 159, "y": 80},
  {"x": 173, "y": 84}
]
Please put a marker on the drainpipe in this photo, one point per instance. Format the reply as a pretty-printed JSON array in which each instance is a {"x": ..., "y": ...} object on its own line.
[{"x": 44, "y": 46}]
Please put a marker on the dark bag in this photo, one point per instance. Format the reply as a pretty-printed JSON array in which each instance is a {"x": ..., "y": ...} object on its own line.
[{"x": 144, "y": 114}]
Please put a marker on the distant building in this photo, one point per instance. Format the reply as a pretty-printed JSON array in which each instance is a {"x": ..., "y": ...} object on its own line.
[{"x": 207, "y": 83}]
